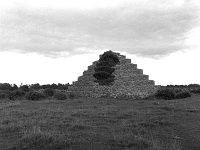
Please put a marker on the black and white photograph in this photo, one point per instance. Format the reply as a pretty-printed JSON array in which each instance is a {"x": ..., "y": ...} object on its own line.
[{"x": 99, "y": 75}]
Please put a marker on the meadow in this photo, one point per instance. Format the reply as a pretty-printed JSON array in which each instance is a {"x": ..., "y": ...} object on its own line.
[{"x": 100, "y": 124}]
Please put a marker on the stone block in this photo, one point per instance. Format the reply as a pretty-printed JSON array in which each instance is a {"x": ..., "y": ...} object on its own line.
[{"x": 125, "y": 61}]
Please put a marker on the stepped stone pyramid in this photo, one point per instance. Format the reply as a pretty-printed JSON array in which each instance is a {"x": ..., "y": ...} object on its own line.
[{"x": 129, "y": 81}]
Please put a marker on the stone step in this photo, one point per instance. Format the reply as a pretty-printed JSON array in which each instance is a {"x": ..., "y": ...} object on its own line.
[
  {"x": 88, "y": 72},
  {"x": 89, "y": 80},
  {"x": 125, "y": 61},
  {"x": 86, "y": 78},
  {"x": 118, "y": 72},
  {"x": 118, "y": 69},
  {"x": 87, "y": 75},
  {"x": 126, "y": 66},
  {"x": 133, "y": 83},
  {"x": 119, "y": 84},
  {"x": 95, "y": 62},
  {"x": 121, "y": 57},
  {"x": 91, "y": 67},
  {"x": 130, "y": 88},
  {"x": 132, "y": 78},
  {"x": 130, "y": 72}
]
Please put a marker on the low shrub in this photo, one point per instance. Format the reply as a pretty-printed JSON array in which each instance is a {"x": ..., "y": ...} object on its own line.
[
  {"x": 34, "y": 95},
  {"x": 24, "y": 88},
  {"x": 60, "y": 96},
  {"x": 167, "y": 94},
  {"x": 4, "y": 94},
  {"x": 12, "y": 96},
  {"x": 49, "y": 92},
  {"x": 19, "y": 93},
  {"x": 72, "y": 95},
  {"x": 16, "y": 94},
  {"x": 5, "y": 86},
  {"x": 183, "y": 94},
  {"x": 195, "y": 91}
]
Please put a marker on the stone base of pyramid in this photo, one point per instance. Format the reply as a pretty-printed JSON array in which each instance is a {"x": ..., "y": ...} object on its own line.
[{"x": 129, "y": 82}]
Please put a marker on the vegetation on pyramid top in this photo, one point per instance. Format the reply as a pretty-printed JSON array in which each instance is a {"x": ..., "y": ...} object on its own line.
[
  {"x": 105, "y": 67},
  {"x": 109, "y": 57}
]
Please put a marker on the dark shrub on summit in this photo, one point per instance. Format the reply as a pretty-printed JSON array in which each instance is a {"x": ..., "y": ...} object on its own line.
[
  {"x": 109, "y": 57},
  {"x": 105, "y": 67},
  {"x": 33, "y": 95},
  {"x": 105, "y": 64},
  {"x": 102, "y": 75},
  {"x": 108, "y": 70}
]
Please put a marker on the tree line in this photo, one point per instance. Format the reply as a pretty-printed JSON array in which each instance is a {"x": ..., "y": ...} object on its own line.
[{"x": 37, "y": 86}]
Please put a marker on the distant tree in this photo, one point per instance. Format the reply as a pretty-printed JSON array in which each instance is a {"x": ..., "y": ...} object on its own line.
[
  {"x": 35, "y": 86},
  {"x": 194, "y": 85},
  {"x": 14, "y": 87},
  {"x": 46, "y": 86},
  {"x": 54, "y": 86},
  {"x": 5, "y": 86},
  {"x": 62, "y": 86},
  {"x": 24, "y": 88}
]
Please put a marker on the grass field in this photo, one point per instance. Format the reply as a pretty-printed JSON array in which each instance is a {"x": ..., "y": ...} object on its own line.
[{"x": 100, "y": 124}]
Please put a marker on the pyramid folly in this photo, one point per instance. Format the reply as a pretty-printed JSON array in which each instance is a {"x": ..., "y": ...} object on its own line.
[{"x": 113, "y": 75}]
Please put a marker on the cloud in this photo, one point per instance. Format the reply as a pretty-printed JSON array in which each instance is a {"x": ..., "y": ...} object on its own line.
[{"x": 146, "y": 28}]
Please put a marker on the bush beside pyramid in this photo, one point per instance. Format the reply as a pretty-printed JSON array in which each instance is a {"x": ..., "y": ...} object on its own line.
[{"x": 129, "y": 81}]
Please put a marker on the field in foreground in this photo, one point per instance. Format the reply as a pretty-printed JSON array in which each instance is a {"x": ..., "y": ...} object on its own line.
[{"x": 100, "y": 124}]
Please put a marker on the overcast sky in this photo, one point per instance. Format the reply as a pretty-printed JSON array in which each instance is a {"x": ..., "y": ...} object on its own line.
[{"x": 51, "y": 41}]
